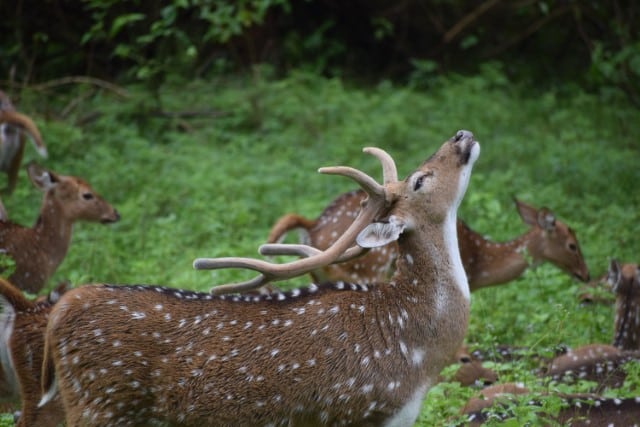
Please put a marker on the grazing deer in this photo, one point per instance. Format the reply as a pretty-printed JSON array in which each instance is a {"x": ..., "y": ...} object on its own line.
[
  {"x": 329, "y": 354},
  {"x": 486, "y": 263},
  {"x": 22, "y": 327},
  {"x": 37, "y": 251},
  {"x": 624, "y": 280},
  {"x": 13, "y": 126}
]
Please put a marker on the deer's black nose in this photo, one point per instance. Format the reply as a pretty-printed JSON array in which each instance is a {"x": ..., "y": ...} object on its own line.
[{"x": 462, "y": 134}]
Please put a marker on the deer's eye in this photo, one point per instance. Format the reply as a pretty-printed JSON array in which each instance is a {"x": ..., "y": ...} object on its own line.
[
  {"x": 465, "y": 359},
  {"x": 573, "y": 247},
  {"x": 420, "y": 180},
  {"x": 87, "y": 196}
]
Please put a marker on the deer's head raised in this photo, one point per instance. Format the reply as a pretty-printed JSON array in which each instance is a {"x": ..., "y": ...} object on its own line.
[{"x": 336, "y": 353}]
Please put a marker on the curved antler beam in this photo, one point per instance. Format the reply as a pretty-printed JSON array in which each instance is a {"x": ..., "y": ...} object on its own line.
[{"x": 342, "y": 250}]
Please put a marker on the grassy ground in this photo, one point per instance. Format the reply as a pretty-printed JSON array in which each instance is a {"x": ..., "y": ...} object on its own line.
[{"x": 212, "y": 185}]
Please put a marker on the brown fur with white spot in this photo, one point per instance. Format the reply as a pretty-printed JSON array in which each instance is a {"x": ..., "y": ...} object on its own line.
[
  {"x": 624, "y": 280},
  {"x": 579, "y": 410},
  {"x": 600, "y": 363},
  {"x": 22, "y": 326},
  {"x": 486, "y": 263},
  {"x": 38, "y": 251},
  {"x": 13, "y": 126},
  {"x": 335, "y": 354}
]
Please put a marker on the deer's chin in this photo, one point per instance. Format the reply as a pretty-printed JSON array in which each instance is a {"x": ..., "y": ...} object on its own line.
[
  {"x": 110, "y": 220},
  {"x": 580, "y": 277}
]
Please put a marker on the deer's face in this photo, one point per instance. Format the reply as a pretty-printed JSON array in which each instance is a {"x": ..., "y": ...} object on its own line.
[
  {"x": 81, "y": 202},
  {"x": 562, "y": 249},
  {"x": 436, "y": 188}
]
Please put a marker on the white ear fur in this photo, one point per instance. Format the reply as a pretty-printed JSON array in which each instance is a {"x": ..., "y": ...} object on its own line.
[
  {"x": 380, "y": 233},
  {"x": 613, "y": 275},
  {"x": 44, "y": 181}
]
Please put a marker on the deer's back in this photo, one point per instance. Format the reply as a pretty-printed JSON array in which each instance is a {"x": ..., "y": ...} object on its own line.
[{"x": 261, "y": 359}]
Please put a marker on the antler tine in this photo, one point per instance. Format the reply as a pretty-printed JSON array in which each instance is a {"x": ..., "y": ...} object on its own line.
[
  {"x": 389, "y": 170},
  {"x": 367, "y": 183},
  {"x": 377, "y": 201}
]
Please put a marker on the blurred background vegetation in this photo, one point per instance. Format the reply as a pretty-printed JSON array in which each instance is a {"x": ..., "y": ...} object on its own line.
[
  {"x": 588, "y": 42},
  {"x": 203, "y": 121}
]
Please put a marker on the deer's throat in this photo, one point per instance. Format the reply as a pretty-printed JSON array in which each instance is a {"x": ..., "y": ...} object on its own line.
[{"x": 430, "y": 257}]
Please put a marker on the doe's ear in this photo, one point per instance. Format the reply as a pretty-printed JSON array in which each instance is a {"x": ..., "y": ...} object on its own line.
[
  {"x": 528, "y": 213},
  {"x": 546, "y": 219},
  {"x": 40, "y": 177},
  {"x": 380, "y": 233},
  {"x": 613, "y": 275}
]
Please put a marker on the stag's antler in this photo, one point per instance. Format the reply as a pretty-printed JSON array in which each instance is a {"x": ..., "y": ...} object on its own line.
[{"x": 380, "y": 198}]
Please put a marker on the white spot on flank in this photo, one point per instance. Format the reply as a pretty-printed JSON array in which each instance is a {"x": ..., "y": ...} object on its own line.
[{"x": 417, "y": 356}]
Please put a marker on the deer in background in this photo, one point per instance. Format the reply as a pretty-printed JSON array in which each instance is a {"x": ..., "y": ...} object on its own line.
[
  {"x": 599, "y": 363},
  {"x": 486, "y": 263},
  {"x": 471, "y": 372},
  {"x": 38, "y": 251},
  {"x": 624, "y": 280},
  {"x": 327, "y": 354},
  {"x": 578, "y": 410},
  {"x": 22, "y": 327},
  {"x": 13, "y": 127}
]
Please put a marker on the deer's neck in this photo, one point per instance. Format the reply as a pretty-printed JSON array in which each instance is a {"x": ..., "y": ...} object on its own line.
[
  {"x": 491, "y": 263},
  {"x": 627, "y": 321},
  {"x": 52, "y": 232},
  {"x": 430, "y": 271}
]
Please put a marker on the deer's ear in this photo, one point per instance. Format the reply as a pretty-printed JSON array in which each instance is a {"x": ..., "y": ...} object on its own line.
[
  {"x": 380, "y": 233},
  {"x": 546, "y": 219},
  {"x": 613, "y": 274},
  {"x": 40, "y": 177}
]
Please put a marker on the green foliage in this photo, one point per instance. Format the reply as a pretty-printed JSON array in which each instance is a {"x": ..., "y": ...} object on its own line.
[
  {"x": 173, "y": 43},
  {"x": 214, "y": 183},
  {"x": 7, "y": 265}
]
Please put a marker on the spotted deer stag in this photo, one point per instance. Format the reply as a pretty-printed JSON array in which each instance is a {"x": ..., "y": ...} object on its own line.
[
  {"x": 38, "y": 251},
  {"x": 13, "y": 128},
  {"x": 486, "y": 263},
  {"x": 328, "y": 354},
  {"x": 22, "y": 327}
]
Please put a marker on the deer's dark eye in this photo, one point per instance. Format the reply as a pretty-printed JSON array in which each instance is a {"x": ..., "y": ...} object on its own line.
[
  {"x": 465, "y": 359},
  {"x": 573, "y": 247},
  {"x": 420, "y": 180},
  {"x": 87, "y": 196}
]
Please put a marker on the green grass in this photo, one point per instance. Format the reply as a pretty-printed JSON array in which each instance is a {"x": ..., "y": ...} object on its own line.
[{"x": 215, "y": 188}]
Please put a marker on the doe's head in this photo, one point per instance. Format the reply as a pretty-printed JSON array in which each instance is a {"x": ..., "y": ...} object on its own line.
[{"x": 74, "y": 196}]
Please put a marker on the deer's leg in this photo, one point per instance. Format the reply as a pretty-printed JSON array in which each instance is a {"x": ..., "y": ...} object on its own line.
[{"x": 14, "y": 168}]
